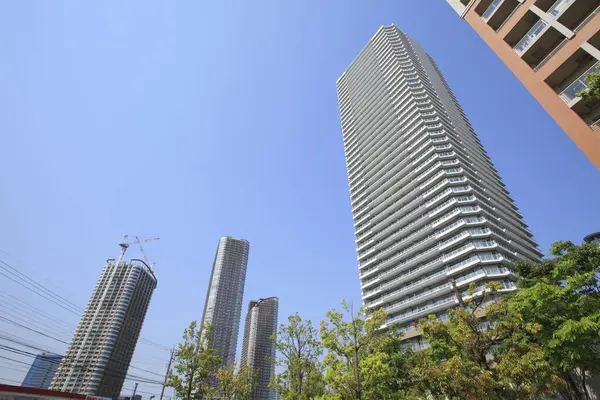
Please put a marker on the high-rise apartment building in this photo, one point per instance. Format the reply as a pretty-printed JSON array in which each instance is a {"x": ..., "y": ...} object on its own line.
[
  {"x": 223, "y": 307},
  {"x": 99, "y": 355},
  {"x": 430, "y": 210},
  {"x": 550, "y": 45},
  {"x": 258, "y": 350},
  {"x": 592, "y": 237},
  {"x": 42, "y": 371}
]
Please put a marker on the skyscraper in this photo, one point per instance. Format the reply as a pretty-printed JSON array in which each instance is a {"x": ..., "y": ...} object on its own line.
[
  {"x": 223, "y": 306},
  {"x": 99, "y": 355},
  {"x": 258, "y": 349},
  {"x": 551, "y": 46},
  {"x": 42, "y": 371},
  {"x": 431, "y": 213}
]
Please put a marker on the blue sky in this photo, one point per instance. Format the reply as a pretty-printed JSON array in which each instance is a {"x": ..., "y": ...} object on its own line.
[{"x": 192, "y": 120}]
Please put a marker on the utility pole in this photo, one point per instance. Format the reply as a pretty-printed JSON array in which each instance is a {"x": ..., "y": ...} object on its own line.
[
  {"x": 162, "y": 392},
  {"x": 134, "y": 390}
]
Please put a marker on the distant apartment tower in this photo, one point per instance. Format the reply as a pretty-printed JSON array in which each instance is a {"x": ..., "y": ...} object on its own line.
[
  {"x": 550, "y": 45},
  {"x": 99, "y": 355},
  {"x": 42, "y": 371},
  {"x": 429, "y": 207},
  {"x": 592, "y": 237},
  {"x": 223, "y": 307},
  {"x": 258, "y": 349}
]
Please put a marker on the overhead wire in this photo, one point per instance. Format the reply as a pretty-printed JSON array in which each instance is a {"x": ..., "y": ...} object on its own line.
[
  {"x": 9, "y": 298},
  {"x": 106, "y": 371},
  {"x": 34, "y": 347},
  {"x": 39, "y": 294},
  {"x": 39, "y": 285},
  {"x": 26, "y": 319},
  {"x": 53, "y": 326},
  {"x": 67, "y": 305}
]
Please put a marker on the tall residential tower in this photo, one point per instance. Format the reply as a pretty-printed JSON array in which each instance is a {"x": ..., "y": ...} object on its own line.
[
  {"x": 223, "y": 307},
  {"x": 430, "y": 210},
  {"x": 99, "y": 355},
  {"x": 258, "y": 350}
]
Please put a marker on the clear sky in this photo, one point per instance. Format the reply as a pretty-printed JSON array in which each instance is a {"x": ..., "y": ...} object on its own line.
[{"x": 191, "y": 120}]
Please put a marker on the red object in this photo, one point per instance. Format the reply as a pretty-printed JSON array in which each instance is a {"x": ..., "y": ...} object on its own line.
[{"x": 44, "y": 393}]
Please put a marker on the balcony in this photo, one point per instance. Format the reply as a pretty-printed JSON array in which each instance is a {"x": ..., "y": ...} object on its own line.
[
  {"x": 559, "y": 7},
  {"x": 498, "y": 12},
  {"x": 413, "y": 286},
  {"x": 574, "y": 18},
  {"x": 539, "y": 42},
  {"x": 416, "y": 313},
  {"x": 531, "y": 35},
  {"x": 422, "y": 296},
  {"x": 579, "y": 84}
]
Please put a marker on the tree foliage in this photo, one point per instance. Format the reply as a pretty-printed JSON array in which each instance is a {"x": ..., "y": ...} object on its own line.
[
  {"x": 299, "y": 349},
  {"x": 235, "y": 385},
  {"x": 195, "y": 365},
  {"x": 593, "y": 87},
  {"x": 561, "y": 296},
  {"x": 363, "y": 361},
  {"x": 473, "y": 357},
  {"x": 532, "y": 344}
]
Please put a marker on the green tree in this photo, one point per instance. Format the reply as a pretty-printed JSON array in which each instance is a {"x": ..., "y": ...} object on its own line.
[
  {"x": 235, "y": 385},
  {"x": 483, "y": 354},
  {"x": 299, "y": 348},
  {"x": 363, "y": 360},
  {"x": 593, "y": 87},
  {"x": 195, "y": 365},
  {"x": 561, "y": 297}
]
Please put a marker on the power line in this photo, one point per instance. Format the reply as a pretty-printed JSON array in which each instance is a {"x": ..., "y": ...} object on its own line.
[
  {"x": 54, "y": 338},
  {"x": 22, "y": 343},
  {"x": 23, "y": 305},
  {"x": 66, "y": 304},
  {"x": 34, "y": 291},
  {"x": 12, "y": 359},
  {"x": 24, "y": 318},
  {"x": 33, "y": 330},
  {"x": 39, "y": 285},
  {"x": 123, "y": 389},
  {"x": 106, "y": 371}
]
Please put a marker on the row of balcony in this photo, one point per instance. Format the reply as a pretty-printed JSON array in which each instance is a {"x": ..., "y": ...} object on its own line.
[
  {"x": 536, "y": 39},
  {"x": 490, "y": 272}
]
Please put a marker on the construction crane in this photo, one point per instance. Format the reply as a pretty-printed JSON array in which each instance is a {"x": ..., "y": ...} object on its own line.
[{"x": 126, "y": 243}]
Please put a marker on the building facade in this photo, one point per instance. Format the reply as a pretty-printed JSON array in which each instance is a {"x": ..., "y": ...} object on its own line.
[
  {"x": 431, "y": 213},
  {"x": 98, "y": 357},
  {"x": 42, "y": 371},
  {"x": 258, "y": 349},
  {"x": 550, "y": 45},
  {"x": 223, "y": 306},
  {"x": 592, "y": 237}
]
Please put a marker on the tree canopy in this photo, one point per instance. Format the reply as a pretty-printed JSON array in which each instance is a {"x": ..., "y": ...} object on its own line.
[
  {"x": 195, "y": 365},
  {"x": 536, "y": 342}
]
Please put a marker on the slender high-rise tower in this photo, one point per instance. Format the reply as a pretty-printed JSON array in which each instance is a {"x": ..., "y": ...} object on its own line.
[
  {"x": 431, "y": 213},
  {"x": 258, "y": 350},
  {"x": 99, "y": 355},
  {"x": 223, "y": 307}
]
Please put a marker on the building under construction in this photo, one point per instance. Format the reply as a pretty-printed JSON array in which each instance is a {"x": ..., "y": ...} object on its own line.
[{"x": 98, "y": 357}]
